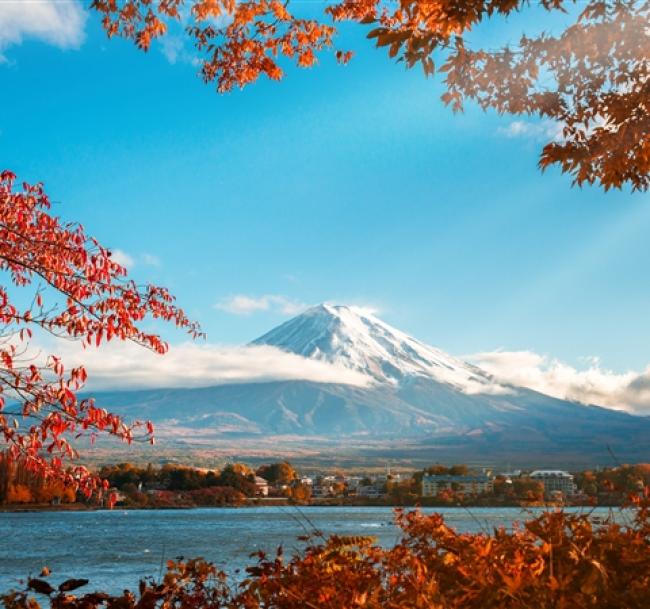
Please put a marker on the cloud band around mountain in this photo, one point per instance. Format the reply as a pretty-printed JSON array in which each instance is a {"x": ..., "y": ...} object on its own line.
[
  {"x": 129, "y": 366},
  {"x": 594, "y": 384}
]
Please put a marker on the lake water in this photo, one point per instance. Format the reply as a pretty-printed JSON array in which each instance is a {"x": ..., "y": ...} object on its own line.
[{"x": 115, "y": 549}]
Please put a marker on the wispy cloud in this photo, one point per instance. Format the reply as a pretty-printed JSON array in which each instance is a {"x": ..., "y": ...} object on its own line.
[
  {"x": 543, "y": 130},
  {"x": 121, "y": 257},
  {"x": 592, "y": 384},
  {"x": 126, "y": 365},
  {"x": 366, "y": 309},
  {"x": 129, "y": 261},
  {"x": 174, "y": 50},
  {"x": 174, "y": 45},
  {"x": 150, "y": 260},
  {"x": 240, "y": 304},
  {"x": 61, "y": 24}
]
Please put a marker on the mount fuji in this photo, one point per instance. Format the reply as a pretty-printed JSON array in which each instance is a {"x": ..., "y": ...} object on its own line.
[
  {"x": 414, "y": 400},
  {"x": 352, "y": 337}
]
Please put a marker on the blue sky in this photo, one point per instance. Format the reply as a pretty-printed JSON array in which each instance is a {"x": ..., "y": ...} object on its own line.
[{"x": 343, "y": 184}]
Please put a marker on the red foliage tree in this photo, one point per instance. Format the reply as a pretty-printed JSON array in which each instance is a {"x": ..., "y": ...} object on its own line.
[
  {"x": 39, "y": 409},
  {"x": 592, "y": 80}
]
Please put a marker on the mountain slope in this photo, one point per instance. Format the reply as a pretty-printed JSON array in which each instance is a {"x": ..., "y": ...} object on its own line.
[{"x": 416, "y": 393}]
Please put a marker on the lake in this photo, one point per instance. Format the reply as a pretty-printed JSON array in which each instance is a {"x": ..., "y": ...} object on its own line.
[{"x": 114, "y": 549}]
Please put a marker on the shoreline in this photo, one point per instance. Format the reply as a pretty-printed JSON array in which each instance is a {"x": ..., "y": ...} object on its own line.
[{"x": 79, "y": 507}]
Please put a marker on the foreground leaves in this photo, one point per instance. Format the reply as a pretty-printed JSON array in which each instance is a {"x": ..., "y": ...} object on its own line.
[
  {"x": 592, "y": 80},
  {"x": 554, "y": 561}
]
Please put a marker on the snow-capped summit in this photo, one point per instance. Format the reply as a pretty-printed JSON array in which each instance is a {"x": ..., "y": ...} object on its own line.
[{"x": 353, "y": 338}]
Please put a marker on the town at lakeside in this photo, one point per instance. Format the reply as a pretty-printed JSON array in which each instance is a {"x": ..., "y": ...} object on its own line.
[{"x": 174, "y": 486}]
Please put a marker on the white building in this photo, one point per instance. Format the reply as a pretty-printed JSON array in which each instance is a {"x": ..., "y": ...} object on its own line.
[
  {"x": 433, "y": 485},
  {"x": 555, "y": 480},
  {"x": 261, "y": 486}
]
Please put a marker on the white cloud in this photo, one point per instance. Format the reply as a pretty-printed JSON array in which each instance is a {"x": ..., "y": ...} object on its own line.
[
  {"x": 121, "y": 257},
  {"x": 172, "y": 47},
  {"x": 57, "y": 22},
  {"x": 174, "y": 50},
  {"x": 126, "y": 365},
  {"x": 543, "y": 130},
  {"x": 150, "y": 260},
  {"x": 366, "y": 309},
  {"x": 240, "y": 304},
  {"x": 591, "y": 385}
]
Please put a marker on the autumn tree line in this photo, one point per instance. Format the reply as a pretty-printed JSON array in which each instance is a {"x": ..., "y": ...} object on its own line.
[
  {"x": 174, "y": 485},
  {"x": 609, "y": 486},
  {"x": 169, "y": 485},
  {"x": 20, "y": 484},
  {"x": 235, "y": 483}
]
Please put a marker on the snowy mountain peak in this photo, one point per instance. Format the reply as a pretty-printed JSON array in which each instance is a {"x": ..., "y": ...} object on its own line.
[{"x": 352, "y": 337}]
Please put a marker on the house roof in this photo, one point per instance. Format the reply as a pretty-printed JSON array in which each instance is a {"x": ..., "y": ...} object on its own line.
[
  {"x": 550, "y": 473},
  {"x": 449, "y": 478}
]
